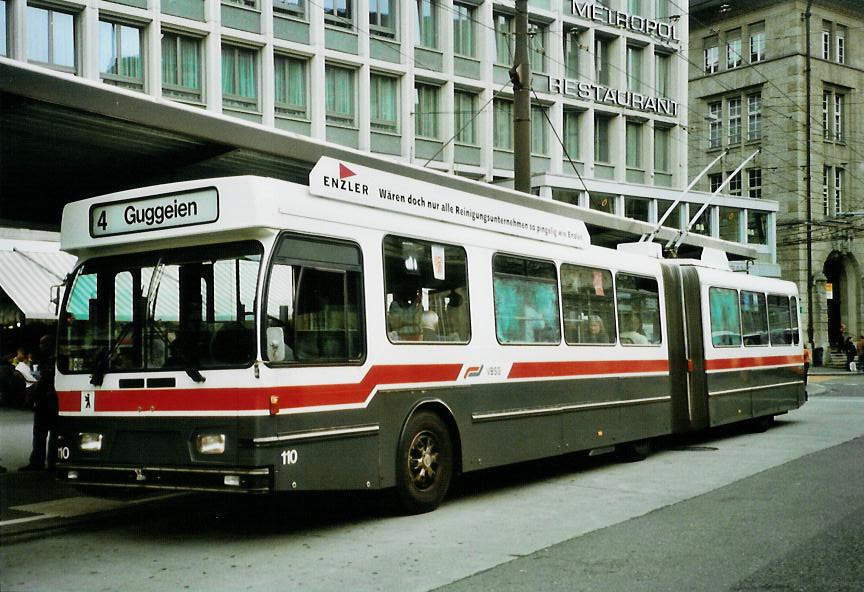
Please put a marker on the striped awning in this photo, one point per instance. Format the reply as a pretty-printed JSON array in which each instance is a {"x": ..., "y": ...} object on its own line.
[{"x": 27, "y": 279}]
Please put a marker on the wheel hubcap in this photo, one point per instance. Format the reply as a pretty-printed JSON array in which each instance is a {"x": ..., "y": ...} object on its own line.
[{"x": 423, "y": 460}]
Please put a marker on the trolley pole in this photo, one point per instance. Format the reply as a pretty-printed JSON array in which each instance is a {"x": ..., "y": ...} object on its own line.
[
  {"x": 520, "y": 76},
  {"x": 809, "y": 204}
]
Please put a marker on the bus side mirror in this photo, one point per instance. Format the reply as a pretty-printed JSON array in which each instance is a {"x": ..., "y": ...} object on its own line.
[{"x": 275, "y": 344}]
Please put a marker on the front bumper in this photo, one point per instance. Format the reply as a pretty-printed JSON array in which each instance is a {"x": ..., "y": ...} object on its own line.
[{"x": 222, "y": 479}]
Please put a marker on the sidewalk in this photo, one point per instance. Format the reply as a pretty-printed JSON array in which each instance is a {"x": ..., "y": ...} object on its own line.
[{"x": 32, "y": 503}]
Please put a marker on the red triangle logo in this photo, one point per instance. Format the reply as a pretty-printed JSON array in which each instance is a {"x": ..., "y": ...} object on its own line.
[{"x": 345, "y": 171}]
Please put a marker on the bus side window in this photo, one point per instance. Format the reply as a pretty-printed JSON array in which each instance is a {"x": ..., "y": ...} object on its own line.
[
  {"x": 638, "y": 309},
  {"x": 589, "y": 305},
  {"x": 426, "y": 291},
  {"x": 779, "y": 321},
  {"x": 725, "y": 317},
  {"x": 754, "y": 318},
  {"x": 526, "y": 300}
]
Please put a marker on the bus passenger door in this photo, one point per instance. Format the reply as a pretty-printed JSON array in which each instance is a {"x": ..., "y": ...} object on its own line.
[{"x": 697, "y": 389}]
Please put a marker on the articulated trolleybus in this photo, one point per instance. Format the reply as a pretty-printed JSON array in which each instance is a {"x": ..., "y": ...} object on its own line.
[{"x": 372, "y": 331}]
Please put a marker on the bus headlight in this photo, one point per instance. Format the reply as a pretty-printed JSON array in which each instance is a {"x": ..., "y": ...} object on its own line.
[
  {"x": 90, "y": 442},
  {"x": 210, "y": 443}
]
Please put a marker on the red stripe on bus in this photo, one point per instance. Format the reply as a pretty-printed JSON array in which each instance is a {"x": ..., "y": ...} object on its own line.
[
  {"x": 255, "y": 399},
  {"x": 553, "y": 369},
  {"x": 739, "y": 363}
]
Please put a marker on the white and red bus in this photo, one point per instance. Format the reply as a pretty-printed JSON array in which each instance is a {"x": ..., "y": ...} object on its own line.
[{"x": 372, "y": 331}]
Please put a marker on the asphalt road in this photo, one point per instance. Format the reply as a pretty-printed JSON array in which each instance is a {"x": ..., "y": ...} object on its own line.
[{"x": 732, "y": 510}]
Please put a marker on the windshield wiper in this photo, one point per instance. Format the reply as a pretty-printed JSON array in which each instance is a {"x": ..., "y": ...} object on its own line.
[{"x": 105, "y": 360}]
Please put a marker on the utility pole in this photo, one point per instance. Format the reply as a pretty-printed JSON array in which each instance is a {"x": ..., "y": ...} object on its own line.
[
  {"x": 520, "y": 75},
  {"x": 808, "y": 141}
]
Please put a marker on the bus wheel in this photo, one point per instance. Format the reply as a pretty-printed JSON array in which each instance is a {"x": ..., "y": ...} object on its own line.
[{"x": 424, "y": 463}]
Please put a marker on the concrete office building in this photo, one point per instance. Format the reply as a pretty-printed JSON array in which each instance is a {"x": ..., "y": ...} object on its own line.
[{"x": 748, "y": 80}]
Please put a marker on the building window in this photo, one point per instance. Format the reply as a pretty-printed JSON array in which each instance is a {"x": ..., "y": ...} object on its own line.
[
  {"x": 735, "y": 185},
  {"x": 833, "y": 115},
  {"x": 384, "y": 103},
  {"x": 427, "y": 24},
  {"x": 634, "y": 68},
  {"x": 735, "y": 120},
  {"x": 712, "y": 55},
  {"x": 826, "y": 202},
  {"x": 602, "y": 55},
  {"x": 826, "y": 114},
  {"x": 464, "y": 42},
  {"x": 502, "y": 130},
  {"x": 840, "y": 45},
  {"x": 729, "y": 228},
  {"x": 253, "y": 4},
  {"x": 602, "y": 203},
  {"x": 382, "y": 18},
  {"x": 239, "y": 79},
  {"x": 339, "y": 13},
  {"x": 120, "y": 57},
  {"x": 673, "y": 220},
  {"x": 757, "y": 228},
  {"x": 715, "y": 124},
  {"x": 838, "y": 118},
  {"x": 51, "y": 38},
  {"x": 715, "y": 180},
  {"x": 662, "y": 159},
  {"x": 426, "y": 111},
  {"x": 754, "y": 117},
  {"x": 601, "y": 138},
  {"x": 465, "y": 109},
  {"x": 295, "y": 8},
  {"x": 539, "y": 134},
  {"x": 339, "y": 95},
  {"x": 503, "y": 39},
  {"x": 662, "y": 9},
  {"x": 838, "y": 191},
  {"x": 826, "y": 40},
  {"x": 3, "y": 50},
  {"x": 757, "y": 43},
  {"x": 634, "y": 7},
  {"x": 636, "y": 208},
  {"x": 571, "y": 53},
  {"x": 181, "y": 66},
  {"x": 662, "y": 73},
  {"x": 634, "y": 145},
  {"x": 571, "y": 132},
  {"x": 290, "y": 86},
  {"x": 733, "y": 49},
  {"x": 754, "y": 183},
  {"x": 537, "y": 38}
]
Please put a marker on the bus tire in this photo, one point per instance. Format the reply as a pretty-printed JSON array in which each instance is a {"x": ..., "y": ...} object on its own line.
[{"x": 424, "y": 463}]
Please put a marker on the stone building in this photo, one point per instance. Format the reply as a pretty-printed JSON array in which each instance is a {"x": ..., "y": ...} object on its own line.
[{"x": 748, "y": 80}]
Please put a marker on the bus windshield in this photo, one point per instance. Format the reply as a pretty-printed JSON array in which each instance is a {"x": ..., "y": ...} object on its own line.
[{"x": 180, "y": 309}]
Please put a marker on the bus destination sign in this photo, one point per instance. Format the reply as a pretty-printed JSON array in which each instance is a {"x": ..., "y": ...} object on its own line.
[{"x": 200, "y": 206}]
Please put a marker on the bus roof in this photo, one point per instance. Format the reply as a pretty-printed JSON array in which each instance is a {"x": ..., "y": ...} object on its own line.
[{"x": 189, "y": 209}]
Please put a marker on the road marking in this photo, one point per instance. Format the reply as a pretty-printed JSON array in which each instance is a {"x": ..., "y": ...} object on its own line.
[{"x": 76, "y": 506}]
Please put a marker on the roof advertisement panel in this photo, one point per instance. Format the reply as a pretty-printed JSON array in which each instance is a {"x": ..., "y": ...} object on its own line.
[{"x": 357, "y": 184}]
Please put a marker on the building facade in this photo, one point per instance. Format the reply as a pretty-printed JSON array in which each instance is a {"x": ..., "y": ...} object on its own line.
[
  {"x": 424, "y": 82},
  {"x": 748, "y": 79}
]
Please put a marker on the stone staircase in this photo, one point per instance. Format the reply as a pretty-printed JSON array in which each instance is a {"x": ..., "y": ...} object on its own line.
[{"x": 835, "y": 360}]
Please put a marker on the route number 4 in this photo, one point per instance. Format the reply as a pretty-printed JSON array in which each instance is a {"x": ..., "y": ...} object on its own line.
[{"x": 289, "y": 457}]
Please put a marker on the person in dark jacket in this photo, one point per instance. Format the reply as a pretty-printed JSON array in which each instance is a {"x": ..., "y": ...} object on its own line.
[
  {"x": 45, "y": 409},
  {"x": 851, "y": 352}
]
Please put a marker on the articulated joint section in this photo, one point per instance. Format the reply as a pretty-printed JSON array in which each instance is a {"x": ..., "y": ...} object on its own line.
[{"x": 223, "y": 479}]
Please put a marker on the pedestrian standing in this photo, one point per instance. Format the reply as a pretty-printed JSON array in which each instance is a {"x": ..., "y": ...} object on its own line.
[
  {"x": 860, "y": 346},
  {"x": 45, "y": 409},
  {"x": 851, "y": 352},
  {"x": 806, "y": 363}
]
